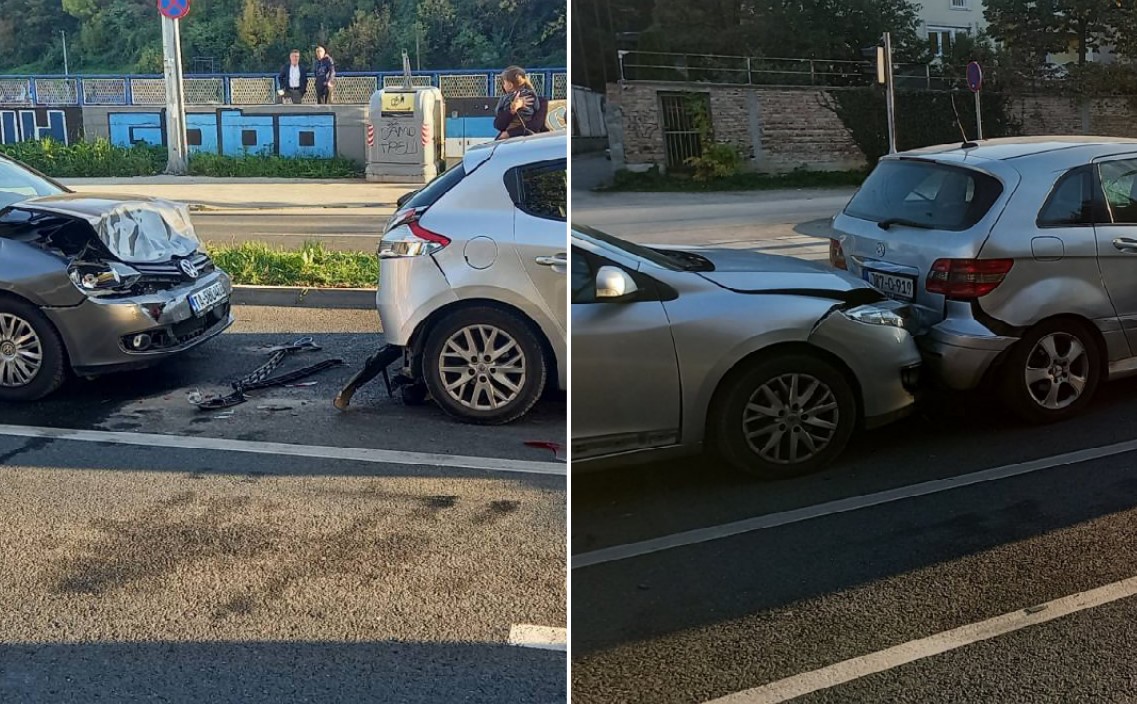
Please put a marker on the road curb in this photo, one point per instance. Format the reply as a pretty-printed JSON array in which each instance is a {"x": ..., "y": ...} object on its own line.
[{"x": 299, "y": 297}]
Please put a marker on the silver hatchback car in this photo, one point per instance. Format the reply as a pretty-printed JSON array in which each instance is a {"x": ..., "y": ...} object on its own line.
[
  {"x": 472, "y": 280},
  {"x": 772, "y": 361},
  {"x": 1021, "y": 256}
]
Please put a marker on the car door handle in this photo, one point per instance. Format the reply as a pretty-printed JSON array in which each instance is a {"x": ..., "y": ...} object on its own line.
[
  {"x": 1126, "y": 244},
  {"x": 555, "y": 260}
]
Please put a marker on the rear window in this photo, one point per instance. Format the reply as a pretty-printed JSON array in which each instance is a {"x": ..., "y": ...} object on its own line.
[
  {"x": 429, "y": 194},
  {"x": 933, "y": 195}
]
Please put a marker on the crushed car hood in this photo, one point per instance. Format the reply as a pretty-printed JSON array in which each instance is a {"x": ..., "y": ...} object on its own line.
[
  {"x": 136, "y": 229},
  {"x": 754, "y": 272}
]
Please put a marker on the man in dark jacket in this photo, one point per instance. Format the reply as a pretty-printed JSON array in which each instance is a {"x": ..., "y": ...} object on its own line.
[
  {"x": 325, "y": 76},
  {"x": 292, "y": 81}
]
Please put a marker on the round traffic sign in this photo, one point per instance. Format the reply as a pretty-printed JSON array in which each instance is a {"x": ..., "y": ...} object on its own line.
[
  {"x": 174, "y": 9},
  {"x": 974, "y": 76}
]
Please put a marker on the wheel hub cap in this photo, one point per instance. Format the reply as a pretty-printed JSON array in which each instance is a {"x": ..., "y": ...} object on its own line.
[
  {"x": 482, "y": 367},
  {"x": 1057, "y": 371},
  {"x": 21, "y": 354},
  {"x": 790, "y": 419}
]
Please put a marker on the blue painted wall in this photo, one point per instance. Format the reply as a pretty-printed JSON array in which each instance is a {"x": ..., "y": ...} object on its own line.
[
  {"x": 40, "y": 123},
  {"x": 233, "y": 132}
]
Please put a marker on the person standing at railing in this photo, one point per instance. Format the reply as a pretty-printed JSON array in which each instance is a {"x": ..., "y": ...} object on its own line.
[
  {"x": 292, "y": 81},
  {"x": 325, "y": 76},
  {"x": 520, "y": 110}
]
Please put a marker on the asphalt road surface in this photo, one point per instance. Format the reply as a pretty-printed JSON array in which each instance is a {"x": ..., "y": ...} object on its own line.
[
  {"x": 340, "y": 229},
  {"x": 957, "y": 556},
  {"x": 279, "y": 551},
  {"x": 794, "y": 223}
]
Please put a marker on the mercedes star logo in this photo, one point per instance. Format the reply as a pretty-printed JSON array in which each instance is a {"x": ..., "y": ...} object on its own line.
[
  {"x": 880, "y": 249},
  {"x": 188, "y": 268}
]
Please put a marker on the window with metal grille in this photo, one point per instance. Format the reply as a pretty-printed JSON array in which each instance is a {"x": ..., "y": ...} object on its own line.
[
  {"x": 959, "y": 4},
  {"x": 682, "y": 138}
]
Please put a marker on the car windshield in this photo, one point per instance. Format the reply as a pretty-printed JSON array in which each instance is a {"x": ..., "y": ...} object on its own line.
[
  {"x": 924, "y": 194},
  {"x": 677, "y": 261},
  {"x": 17, "y": 184}
]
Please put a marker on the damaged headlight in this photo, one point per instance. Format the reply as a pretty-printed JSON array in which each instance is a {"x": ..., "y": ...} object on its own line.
[
  {"x": 877, "y": 315},
  {"x": 102, "y": 278}
]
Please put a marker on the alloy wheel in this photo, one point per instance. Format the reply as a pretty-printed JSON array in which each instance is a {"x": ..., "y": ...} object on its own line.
[
  {"x": 790, "y": 419},
  {"x": 1057, "y": 371},
  {"x": 482, "y": 367},
  {"x": 21, "y": 354}
]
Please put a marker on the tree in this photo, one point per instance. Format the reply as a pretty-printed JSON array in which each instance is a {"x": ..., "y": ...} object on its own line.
[
  {"x": 1032, "y": 29},
  {"x": 262, "y": 30}
]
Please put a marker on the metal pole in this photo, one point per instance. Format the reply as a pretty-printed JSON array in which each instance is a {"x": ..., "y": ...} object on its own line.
[
  {"x": 175, "y": 98},
  {"x": 890, "y": 93},
  {"x": 978, "y": 118},
  {"x": 66, "y": 68}
]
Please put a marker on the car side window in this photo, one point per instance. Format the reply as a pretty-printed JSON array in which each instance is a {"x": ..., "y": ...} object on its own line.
[
  {"x": 543, "y": 192},
  {"x": 1119, "y": 181},
  {"x": 1072, "y": 202},
  {"x": 583, "y": 276}
]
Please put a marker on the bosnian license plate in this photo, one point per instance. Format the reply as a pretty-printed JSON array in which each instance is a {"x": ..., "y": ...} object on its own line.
[
  {"x": 898, "y": 286},
  {"x": 207, "y": 298}
]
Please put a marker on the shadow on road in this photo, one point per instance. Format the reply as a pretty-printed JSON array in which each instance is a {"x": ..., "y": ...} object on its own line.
[{"x": 273, "y": 672}]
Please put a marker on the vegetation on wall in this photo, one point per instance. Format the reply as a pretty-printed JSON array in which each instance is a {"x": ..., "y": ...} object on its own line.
[
  {"x": 256, "y": 35},
  {"x": 929, "y": 118}
]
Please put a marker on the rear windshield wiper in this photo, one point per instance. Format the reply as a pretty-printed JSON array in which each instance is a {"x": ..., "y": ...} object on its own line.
[{"x": 888, "y": 223}]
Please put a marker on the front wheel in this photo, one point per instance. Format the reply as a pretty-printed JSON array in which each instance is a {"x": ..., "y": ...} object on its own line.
[
  {"x": 32, "y": 360},
  {"x": 484, "y": 365},
  {"x": 785, "y": 417},
  {"x": 1052, "y": 372}
]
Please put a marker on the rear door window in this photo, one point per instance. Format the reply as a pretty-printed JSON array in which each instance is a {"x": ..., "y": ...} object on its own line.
[
  {"x": 935, "y": 196},
  {"x": 1119, "y": 181},
  {"x": 541, "y": 190}
]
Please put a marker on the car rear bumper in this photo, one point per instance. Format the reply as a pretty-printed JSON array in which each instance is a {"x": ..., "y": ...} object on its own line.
[
  {"x": 410, "y": 289},
  {"x": 96, "y": 332},
  {"x": 959, "y": 351}
]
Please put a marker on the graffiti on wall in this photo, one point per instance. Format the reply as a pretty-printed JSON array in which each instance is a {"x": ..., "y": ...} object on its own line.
[
  {"x": 23, "y": 124},
  {"x": 643, "y": 124},
  {"x": 234, "y": 132}
]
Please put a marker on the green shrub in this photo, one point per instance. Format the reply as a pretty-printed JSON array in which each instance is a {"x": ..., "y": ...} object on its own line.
[
  {"x": 98, "y": 158},
  {"x": 269, "y": 166},
  {"x": 719, "y": 160}
]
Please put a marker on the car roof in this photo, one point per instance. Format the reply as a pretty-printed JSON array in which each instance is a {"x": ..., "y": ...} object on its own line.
[
  {"x": 1028, "y": 153},
  {"x": 522, "y": 150}
]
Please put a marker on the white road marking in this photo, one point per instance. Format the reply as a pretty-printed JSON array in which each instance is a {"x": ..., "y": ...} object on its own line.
[
  {"x": 856, "y": 668},
  {"x": 351, "y": 454},
  {"x": 853, "y": 503},
  {"x": 541, "y": 637}
]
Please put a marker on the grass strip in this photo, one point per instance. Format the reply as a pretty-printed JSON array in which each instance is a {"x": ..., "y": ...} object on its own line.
[{"x": 313, "y": 266}]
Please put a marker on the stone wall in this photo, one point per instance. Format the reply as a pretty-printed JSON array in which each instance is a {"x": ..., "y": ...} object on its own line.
[{"x": 781, "y": 129}]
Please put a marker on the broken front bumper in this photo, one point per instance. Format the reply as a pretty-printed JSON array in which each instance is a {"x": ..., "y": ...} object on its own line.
[{"x": 98, "y": 332}]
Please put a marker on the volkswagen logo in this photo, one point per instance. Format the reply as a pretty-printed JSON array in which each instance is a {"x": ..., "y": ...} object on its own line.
[
  {"x": 188, "y": 268},
  {"x": 880, "y": 249}
]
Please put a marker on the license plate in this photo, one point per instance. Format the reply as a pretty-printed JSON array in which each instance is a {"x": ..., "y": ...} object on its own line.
[
  {"x": 207, "y": 299},
  {"x": 897, "y": 286}
]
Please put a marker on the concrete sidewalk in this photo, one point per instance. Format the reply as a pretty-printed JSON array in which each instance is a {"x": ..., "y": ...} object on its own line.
[{"x": 251, "y": 194}]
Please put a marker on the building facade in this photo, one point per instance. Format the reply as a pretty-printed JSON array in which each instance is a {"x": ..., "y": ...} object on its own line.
[{"x": 941, "y": 21}]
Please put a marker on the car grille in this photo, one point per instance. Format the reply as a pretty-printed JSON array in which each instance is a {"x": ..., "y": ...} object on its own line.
[{"x": 170, "y": 273}]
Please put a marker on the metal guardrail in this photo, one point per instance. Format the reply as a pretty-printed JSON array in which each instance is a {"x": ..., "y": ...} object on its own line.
[
  {"x": 352, "y": 88},
  {"x": 774, "y": 71}
]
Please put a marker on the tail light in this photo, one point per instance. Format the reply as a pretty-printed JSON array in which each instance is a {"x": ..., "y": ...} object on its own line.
[
  {"x": 967, "y": 278},
  {"x": 836, "y": 255},
  {"x": 413, "y": 240}
]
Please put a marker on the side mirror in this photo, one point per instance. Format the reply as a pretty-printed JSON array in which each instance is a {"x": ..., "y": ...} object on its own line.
[{"x": 613, "y": 283}]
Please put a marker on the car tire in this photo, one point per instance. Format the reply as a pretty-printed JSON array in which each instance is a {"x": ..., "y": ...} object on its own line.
[
  {"x": 17, "y": 320},
  {"x": 1046, "y": 350},
  {"x": 519, "y": 378},
  {"x": 764, "y": 444}
]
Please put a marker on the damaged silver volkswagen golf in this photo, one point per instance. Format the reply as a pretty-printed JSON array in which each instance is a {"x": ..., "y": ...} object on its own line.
[{"x": 92, "y": 284}]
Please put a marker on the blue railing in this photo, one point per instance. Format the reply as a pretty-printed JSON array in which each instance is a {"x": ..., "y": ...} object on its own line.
[{"x": 249, "y": 88}]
